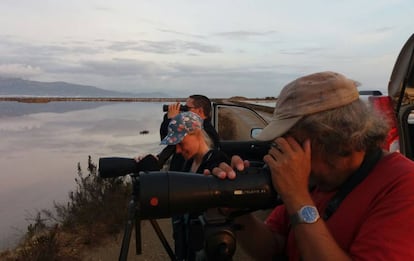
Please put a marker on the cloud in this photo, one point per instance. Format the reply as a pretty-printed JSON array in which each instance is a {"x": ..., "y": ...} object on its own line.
[
  {"x": 19, "y": 70},
  {"x": 385, "y": 29},
  {"x": 181, "y": 33},
  {"x": 372, "y": 37},
  {"x": 114, "y": 67},
  {"x": 244, "y": 34},
  {"x": 304, "y": 51},
  {"x": 216, "y": 81},
  {"x": 60, "y": 61},
  {"x": 27, "y": 60},
  {"x": 164, "y": 47},
  {"x": 16, "y": 48}
]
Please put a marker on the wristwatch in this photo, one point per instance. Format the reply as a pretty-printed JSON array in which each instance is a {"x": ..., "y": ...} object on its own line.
[{"x": 306, "y": 215}]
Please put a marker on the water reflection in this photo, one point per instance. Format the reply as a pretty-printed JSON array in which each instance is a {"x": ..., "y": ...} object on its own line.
[
  {"x": 9, "y": 108},
  {"x": 41, "y": 145}
]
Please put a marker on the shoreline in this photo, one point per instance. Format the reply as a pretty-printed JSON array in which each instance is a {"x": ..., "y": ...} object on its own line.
[
  {"x": 46, "y": 99},
  {"x": 32, "y": 99}
]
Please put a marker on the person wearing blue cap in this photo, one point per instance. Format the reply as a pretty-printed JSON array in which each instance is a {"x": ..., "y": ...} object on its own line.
[
  {"x": 199, "y": 104},
  {"x": 186, "y": 132}
]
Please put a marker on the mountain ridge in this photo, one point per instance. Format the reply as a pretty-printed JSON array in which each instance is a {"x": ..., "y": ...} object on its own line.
[{"x": 21, "y": 87}]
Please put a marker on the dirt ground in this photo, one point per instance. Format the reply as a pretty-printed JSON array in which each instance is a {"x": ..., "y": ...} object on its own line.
[{"x": 152, "y": 248}]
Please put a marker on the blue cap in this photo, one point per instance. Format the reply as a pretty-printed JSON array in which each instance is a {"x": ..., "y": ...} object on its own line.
[{"x": 180, "y": 126}]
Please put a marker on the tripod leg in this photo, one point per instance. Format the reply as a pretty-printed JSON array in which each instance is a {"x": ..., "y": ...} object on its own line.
[
  {"x": 162, "y": 238},
  {"x": 123, "y": 255},
  {"x": 138, "y": 243}
]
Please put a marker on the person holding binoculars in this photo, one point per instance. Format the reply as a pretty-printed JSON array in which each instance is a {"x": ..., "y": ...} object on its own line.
[{"x": 199, "y": 104}]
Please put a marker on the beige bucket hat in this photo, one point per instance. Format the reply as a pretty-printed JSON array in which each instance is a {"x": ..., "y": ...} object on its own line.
[{"x": 307, "y": 95}]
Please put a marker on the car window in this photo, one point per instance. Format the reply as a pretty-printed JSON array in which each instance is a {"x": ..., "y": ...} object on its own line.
[{"x": 236, "y": 123}]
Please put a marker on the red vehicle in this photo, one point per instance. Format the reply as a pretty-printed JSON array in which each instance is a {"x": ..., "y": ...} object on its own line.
[{"x": 398, "y": 106}]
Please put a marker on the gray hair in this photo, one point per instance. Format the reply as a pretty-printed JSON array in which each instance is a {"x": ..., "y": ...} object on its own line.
[
  {"x": 204, "y": 136},
  {"x": 340, "y": 131},
  {"x": 207, "y": 139}
]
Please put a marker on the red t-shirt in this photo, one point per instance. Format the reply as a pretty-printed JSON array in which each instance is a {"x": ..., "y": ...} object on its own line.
[{"x": 376, "y": 219}]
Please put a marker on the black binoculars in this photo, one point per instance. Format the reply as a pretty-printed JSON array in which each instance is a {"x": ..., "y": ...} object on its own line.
[{"x": 183, "y": 107}]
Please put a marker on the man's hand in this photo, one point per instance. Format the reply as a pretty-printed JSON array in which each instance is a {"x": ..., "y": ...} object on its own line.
[
  {"x": 139, "y": 158},
  {"x": 173, "y": 110},
  {"x": 225, "y": 171},
  {"x": 290, "y": 165}
]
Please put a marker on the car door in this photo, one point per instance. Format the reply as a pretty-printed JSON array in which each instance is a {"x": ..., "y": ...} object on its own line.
[
  {"x": 235, "y": 125},
  {"x": 401, "y": 91}
]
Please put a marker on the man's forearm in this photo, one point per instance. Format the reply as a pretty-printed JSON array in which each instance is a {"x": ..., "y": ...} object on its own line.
[
  {"x": 315, "y": 242},
  {"x": 257, "y": 239}
]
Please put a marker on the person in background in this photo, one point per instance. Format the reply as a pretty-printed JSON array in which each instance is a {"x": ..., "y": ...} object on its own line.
[
  {"x": 362, "y": 205},
  {"x": 198, "y": 104},
  {"x": 186, "y": 133}
]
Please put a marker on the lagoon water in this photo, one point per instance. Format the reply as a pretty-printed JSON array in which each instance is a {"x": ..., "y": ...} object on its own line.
[{"x": 41, "y": 145}]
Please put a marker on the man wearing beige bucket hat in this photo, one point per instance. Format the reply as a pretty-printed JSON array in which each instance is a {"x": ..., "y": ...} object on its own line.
[{"x": 361, "y": 206}]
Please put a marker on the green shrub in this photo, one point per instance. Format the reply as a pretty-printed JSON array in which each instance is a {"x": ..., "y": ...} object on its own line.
[
  {"x": 95, "y": 201},
  {"x": 96, "y": 209}
]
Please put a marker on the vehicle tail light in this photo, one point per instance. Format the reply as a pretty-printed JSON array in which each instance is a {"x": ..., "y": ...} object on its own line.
[{"x": 383, "y": 105}]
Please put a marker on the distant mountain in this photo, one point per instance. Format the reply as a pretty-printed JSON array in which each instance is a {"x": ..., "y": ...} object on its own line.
[{"x": 20, "y": 87}]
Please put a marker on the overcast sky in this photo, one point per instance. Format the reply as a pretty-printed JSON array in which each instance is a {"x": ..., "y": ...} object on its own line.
[{"x": 220, "y": 48}]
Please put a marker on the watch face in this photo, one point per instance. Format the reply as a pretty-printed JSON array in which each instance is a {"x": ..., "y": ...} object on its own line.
[{"x": 309, "y": 214}]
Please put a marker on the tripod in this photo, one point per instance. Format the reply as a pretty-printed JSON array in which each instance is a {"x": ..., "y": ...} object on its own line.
[
  {"x": 133, "y": 218},
  {"x": 218, "y": 239}
]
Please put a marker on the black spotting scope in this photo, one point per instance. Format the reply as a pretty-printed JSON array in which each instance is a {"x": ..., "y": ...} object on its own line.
[{"x": 164, "y": 194}]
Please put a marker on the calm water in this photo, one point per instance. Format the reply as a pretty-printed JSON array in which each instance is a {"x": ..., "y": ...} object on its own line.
[{"x": 41, "y": 145}]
